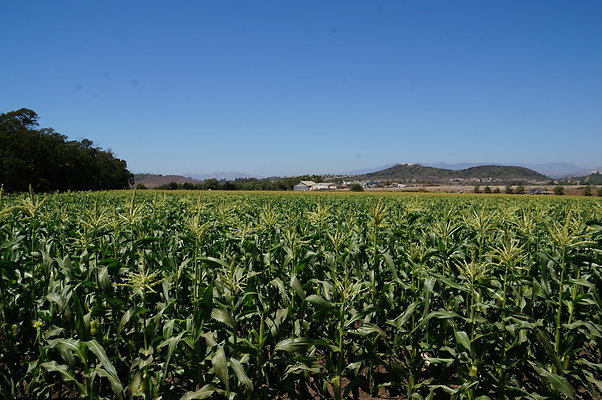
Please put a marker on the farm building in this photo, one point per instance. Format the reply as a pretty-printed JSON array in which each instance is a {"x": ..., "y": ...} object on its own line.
[
  {"x": 324, "y": 186},
  {"x": 311, "y": 185},
  {"x": 304, "y": 185}
]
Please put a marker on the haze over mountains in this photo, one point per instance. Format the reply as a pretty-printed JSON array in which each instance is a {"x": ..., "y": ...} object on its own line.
[
  {"x": 220, "y": 175},
  {"x": 553, "y": 170}
]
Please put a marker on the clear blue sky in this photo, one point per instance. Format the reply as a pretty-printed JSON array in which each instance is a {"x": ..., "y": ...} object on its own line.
[{"x": 288, "y": 87}]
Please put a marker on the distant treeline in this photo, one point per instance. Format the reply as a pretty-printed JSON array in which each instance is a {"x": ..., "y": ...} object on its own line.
[
  {"x": 47, "y": 161},
  {"x": 285, "y": 183}
]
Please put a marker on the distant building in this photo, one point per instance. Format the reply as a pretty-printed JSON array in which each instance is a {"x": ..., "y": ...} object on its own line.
[
  {"x": 304, "y": 185},
  {"x": 324, "y": 186},
  {"x": 311, "y": 185},
  {"x": 372, "y": 184}
]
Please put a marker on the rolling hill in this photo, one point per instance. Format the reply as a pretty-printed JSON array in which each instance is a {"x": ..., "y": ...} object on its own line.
[{"x": 486, "y": 173}]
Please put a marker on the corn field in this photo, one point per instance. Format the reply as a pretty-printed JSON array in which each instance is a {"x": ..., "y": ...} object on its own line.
[{"x": 125, "y": 295}]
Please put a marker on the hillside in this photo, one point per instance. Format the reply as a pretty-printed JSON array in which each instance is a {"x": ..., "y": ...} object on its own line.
[
  {"x": 153, "y": 181},
  {"x": 593, "y": 179},
  {"x": 484, "y": 173}
]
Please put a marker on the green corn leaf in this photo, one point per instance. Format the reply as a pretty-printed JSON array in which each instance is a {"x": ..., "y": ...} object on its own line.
[
  {"x": 559, "y": 382},
  {"x": 57, "y": 299},
  {"x": 66, "y": 374},
  {"x": 549, "y": 348},
  {"x": 99, "y": 351},
  {"x": 217, "y": 261},
  {"x": 295, "y": 344},
  {"x": 319, "y": 302},
  {"x": 223, "y": 316},
  {"x": 437, "y": 315},
  {"x": 596, "y": 382},
  {"x": 297, "y": 287},
  {"x": 463, "y": 340},
  {"x": 68, "y": 348},
  {"x": 240, "y": 374},
  {"x": 220, "y": 365},
  {"x": 125, "y": 319},
  {"x": 113, "y": 381},
  {"x": 171, "y": 343},
  {"x": 203, "y": 393}
]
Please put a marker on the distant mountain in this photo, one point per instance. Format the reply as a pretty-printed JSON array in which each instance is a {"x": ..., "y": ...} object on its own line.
[
  {"x": 485, "y": 173},
  {"x": 558, "y": 169},
  {"x": 228, "y": 176},
  {"x": 554, "y": 169},
  {"x": 153, "y": 181},
  {"x": 454, "y": 167},
  {"x": 365, "y": 170}
]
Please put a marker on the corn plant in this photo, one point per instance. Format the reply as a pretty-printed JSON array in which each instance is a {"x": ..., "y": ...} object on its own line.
[{"x": 193, "y": 295}]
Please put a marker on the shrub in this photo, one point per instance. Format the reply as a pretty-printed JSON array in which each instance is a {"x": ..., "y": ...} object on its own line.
[
  {"x": 587, "y": 191},
  {"x": 356, "y": 187},
  {"x": 559, "y": 190}
]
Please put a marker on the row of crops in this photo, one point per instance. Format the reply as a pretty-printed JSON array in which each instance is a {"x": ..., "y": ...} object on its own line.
[{"x": 297, "y": 296}]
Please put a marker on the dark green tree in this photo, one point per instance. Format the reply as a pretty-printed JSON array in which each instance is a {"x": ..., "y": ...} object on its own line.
[
  {"x": 47, "y": 161},
  {"x": 356, "y": 187}
]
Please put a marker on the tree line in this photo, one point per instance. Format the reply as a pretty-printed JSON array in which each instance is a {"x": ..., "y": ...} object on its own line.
[
  {"x": 48, "y": 161},
  {"x": 274, "y": 183}
]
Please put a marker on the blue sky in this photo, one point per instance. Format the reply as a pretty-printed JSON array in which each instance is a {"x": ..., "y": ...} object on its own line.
[{"x": 292, "y": 87}]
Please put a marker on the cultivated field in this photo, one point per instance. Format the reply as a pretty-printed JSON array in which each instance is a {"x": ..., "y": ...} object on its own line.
[{"x": 327, "y": 295}]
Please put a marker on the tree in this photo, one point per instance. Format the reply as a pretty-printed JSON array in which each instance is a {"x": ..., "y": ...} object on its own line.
[
  {"x": 487, "y": 189},
  {"x": 509, "y": 190},
  {"x": 47, "y": 161},
  {"x": 519, "y": 190},
  {"x": 356, "y": 187},
  {"x": 496, "y": 190},
  {"x": 477, "y": 189},
  {"x": 559, "y": 190},
  {"x": 600, "y": 191}
]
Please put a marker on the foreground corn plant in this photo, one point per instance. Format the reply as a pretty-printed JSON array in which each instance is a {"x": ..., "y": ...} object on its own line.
[{"x": 263, "y": 296}]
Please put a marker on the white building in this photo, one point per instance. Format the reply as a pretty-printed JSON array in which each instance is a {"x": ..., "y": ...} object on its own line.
[
  {"x": 324, "y": 186},
  {"x": 304, "y": 185},
  {"x": 311, "y": 185}
]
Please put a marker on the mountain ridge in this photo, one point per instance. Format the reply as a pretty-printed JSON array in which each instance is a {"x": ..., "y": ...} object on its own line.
[
  {"x": 551, "y": 169},
  {"x": 485, "y": 173}
]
